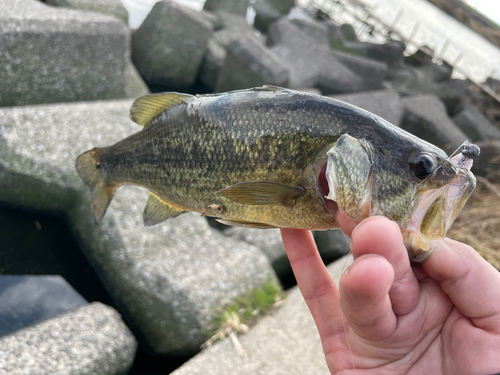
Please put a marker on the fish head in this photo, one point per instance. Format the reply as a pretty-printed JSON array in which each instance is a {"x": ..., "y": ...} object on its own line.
[
  {"x": 438, "y": 203},
  {"x": 416, "y": 185}
]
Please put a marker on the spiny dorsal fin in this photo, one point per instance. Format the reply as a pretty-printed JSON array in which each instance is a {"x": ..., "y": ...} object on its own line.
[
  {"x": 262, "y": 193},
  {"x": 158, "y": 210},
  {"x": 147, "y": 107}
]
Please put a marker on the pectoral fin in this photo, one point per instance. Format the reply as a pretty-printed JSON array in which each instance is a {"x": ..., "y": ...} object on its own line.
[
  {"x": 262, "y": 193},
  {"x": 158, "y": 210}
]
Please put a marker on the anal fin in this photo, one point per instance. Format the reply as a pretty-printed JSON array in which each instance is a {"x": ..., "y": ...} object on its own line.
[{"x": 158, "y": 210}]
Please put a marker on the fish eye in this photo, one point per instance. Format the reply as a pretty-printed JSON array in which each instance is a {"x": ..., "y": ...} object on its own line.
[{"x": 423, "y": 165}]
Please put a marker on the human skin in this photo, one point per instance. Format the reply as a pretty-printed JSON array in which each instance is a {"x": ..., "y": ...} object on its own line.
[{"x": 442, "y": 317}]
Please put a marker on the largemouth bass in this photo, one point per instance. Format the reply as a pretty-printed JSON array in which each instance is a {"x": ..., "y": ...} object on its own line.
[{"x": 271, "y": 157}]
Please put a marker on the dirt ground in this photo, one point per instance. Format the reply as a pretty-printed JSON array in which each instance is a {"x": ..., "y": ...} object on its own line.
[{"x": 479, "y": 222}]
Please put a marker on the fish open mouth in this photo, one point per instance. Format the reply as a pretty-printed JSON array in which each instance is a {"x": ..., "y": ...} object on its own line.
[
  {"x": 324, "y": 189},
  {"x": 436, "y": 211}
]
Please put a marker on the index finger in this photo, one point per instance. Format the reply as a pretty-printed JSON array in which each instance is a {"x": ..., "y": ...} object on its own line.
[{"x": 314, "y": 281}]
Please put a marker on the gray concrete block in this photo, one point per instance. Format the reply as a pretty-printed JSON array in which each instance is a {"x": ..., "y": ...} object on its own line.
[
  {"x": 265, "y": 14},
  {"x": 231, "y": 6},
  {"x": 234, "y": 28},
  {"x": 332, "y": 244},
  {"x": 214, "y": 59},
  {"x": 268, "y": 241},
  {"x": 452, "y": 93},
  {"x": 27, "y": 299},
  {"x": 408, "y": 80},
  {"x": 310, "y": 64},
  {"x": 348, "y": 32},
  {"x": 488, "y": 162},
  {"x": 285, "y": 343},
  {"x": 52, "y": 54},
  {"x": 317, "y": 31},
  {"x": 390, "y": 52},
  {"x": 356, "y": 56},
  {"x": 111, "y": 7},
  {"x": 90, "y": 339},
  {"x": 475, "y": 125},
  {"x": 282, "y": 6},
  {"x": 384, "y": 103},
  {"x": 438, "y": 72},
  {"x": 422, "y": 57},
  {"x": 168, "y": 48},
  {"x": 493, "y": 83},
  {"x": 371, "y": 72},
  {"x": 249, "y": 63},
  {"x": 171, "y": 280},
  {"x": 136, "y": 87},
  {"x": 426, "y": 117}
]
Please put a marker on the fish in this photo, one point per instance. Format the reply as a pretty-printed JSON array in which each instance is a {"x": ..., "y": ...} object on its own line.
[{"x": 270, "y": 157}]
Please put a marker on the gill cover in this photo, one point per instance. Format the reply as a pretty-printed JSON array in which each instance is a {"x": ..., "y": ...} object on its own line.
[{"x": 348, "y": 172}]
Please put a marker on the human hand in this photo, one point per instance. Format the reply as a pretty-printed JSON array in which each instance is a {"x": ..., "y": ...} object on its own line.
[{"x": 442, "y": 317}]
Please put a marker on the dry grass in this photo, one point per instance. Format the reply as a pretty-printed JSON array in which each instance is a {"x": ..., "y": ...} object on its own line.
[{"x": 479, "y": 222}]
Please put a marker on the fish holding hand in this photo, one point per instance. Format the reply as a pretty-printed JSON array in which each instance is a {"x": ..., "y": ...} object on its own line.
[{"x": 270, "y": 157}]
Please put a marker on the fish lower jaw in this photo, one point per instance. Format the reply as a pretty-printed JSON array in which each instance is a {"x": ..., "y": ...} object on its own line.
[{"x": 419, "y": 247}]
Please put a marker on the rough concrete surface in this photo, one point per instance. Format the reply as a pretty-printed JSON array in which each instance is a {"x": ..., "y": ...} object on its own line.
[
  {"x": 90, "y": 339},
  {"x": 285, "y": 343},
  {"x": 53, "y": 54}
]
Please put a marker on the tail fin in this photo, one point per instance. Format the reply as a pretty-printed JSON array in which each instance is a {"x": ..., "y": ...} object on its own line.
[{"x": 88, "y": 167}]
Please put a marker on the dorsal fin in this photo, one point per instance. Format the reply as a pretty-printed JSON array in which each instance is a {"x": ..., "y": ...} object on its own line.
[{"x": 147, "y": 107}]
